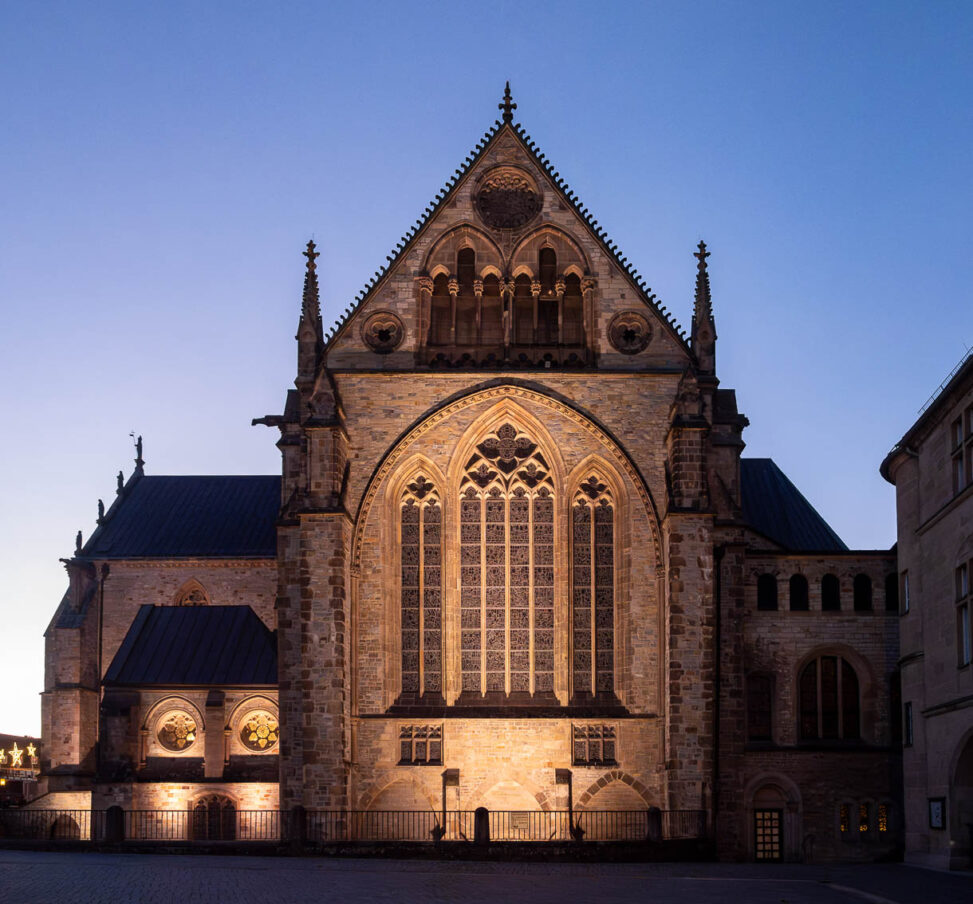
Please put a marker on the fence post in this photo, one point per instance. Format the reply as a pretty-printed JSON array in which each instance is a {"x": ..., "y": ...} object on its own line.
[
  {"x": 653, "y": 817},
  {"x": 481, "y": 826},
  {"x": 297, "y": 828},
  {"x": 114, "y": 824}
]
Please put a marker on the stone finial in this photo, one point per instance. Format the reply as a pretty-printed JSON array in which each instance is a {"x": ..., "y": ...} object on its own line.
[
  {"x": 508, "y": 106},
  {"x": 704, "y": 325},
  {"x": 139, "y": 461},
  {"x": 121, "y": 484},
  {"x": 311, "y": 305},
  {"x": 101, "y": 510},
  {"x": 77, "y": 544}
]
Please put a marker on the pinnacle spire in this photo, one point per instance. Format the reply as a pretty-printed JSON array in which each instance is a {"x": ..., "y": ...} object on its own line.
[
  {"x": 704, "y": 324},
  {"x": 703, "y": 308},
  {"x": 508, "y": 106},
  {"x": 310, "y": 306}
]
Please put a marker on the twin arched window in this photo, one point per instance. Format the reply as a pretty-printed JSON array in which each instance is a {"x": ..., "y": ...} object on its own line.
[{"x": 506, "y": 503}]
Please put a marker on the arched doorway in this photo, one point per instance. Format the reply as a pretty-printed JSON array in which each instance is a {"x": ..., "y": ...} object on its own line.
[
  {"x": 961, "y": 807},
  {"x": 214, "y": 819},
  {"x": 774, "y": 819}
]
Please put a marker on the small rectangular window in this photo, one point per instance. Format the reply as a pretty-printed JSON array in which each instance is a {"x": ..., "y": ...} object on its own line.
[
  {"x": 956, "y": 433},
  {"x": 907, "y": 725},
  {"x": 421, "y": 745},
  {"x": 905, "y": 592},
  {"x": 863, "y": 819},
  {"x": 962, "y": 582},
  {"x": 593, "y": 745},
  {"x": 843, "y": 821},
  {"x": 882, "y": 819}
]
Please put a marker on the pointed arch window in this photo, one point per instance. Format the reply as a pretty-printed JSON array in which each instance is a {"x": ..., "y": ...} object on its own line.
[
  {"x": 572, "y": 331},
  {"x": 420, "y": 525},
  {"x": 593, "y": 591},
  {"x": 507, "y": 571},
  {"x": 441, "y": 315},
  {"x": 466, "y": 301}
]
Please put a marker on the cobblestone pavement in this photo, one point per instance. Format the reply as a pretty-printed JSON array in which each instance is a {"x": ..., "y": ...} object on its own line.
[{"x": 37, "y": 877}]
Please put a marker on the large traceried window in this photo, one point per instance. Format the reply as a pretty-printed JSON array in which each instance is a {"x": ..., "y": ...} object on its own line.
[
  {"x": 593, "y": 591},
  {"x": 421, "y": 525},
  {"x": 830, "y": 707},
  {"x": 506, "y": 513}
]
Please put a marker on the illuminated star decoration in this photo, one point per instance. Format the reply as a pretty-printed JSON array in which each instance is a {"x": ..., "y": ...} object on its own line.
[
  {"x": 3, "y": 756},
  {"x": 32, "y": 751},
  {"x": 16, "y": 756}
]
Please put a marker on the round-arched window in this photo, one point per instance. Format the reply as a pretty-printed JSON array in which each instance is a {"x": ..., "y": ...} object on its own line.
[
  {"x": 259, "y": 731},
  {"x": 177, "y": 731}
]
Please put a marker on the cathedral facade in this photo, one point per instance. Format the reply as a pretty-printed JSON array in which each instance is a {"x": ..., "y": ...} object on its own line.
[{"x": 513, "y": 542}]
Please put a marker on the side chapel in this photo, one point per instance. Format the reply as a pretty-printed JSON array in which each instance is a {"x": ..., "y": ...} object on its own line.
[{"x": 514, "y": 537}]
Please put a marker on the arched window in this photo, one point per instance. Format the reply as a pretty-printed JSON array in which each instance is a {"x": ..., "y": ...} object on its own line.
[
  {"x": 891, "y": 593},
  {"x": 593, "y": 591},
  {"x": 507, "y": 571},
  {"x": 420, "y": 527},
  {"x": 829, "y": 701},
  {"x": 572, "y": 332},
  {"x": 830, "y": 593},
  {"x": 441, "y": 315},
  {"x": 466, "y": 301},
  {"x": 491, "y": 314},
  {"x": 760, "y": 704},
  {"x": 863, "y": 593},
  {"x": 767, "y": 592},
  {"x": 798, "y": 593},
  {"x": 547, "y": 267},
  {"x": 192, "y": 593},
  {"x": 523, "y": 326}
]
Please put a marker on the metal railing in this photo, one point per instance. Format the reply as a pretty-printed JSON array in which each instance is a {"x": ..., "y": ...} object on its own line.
[{"x": 322, "y": 827}]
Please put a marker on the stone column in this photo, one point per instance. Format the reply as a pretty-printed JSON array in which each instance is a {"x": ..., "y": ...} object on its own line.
[
  {"x": 424, "y": 288},
  {"x": 588, "y": 285},
  {"x": 559, "y": 288},
  {"x": 453, "y": 292},
  {"x": 478, "y": 292},
  {"x": 214, "y": 740}
]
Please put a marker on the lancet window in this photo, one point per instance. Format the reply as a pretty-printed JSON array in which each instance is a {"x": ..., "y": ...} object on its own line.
[
  {"x": 507, "y": 570},
  {"x": 421, "y": 545},
  {"x": 593, "y": 590}
]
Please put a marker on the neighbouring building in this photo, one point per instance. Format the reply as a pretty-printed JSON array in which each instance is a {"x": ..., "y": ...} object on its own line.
[
  {"x": 19, "y": 768},
  {"x": 932, "y": 470},
  {"x": 513, "y": 538}
]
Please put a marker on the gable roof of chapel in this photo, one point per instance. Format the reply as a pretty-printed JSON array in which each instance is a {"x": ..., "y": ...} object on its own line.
[{"x": 490, "y": 138}]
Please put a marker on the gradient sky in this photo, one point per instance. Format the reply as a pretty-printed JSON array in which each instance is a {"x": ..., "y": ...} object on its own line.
[{"x": 162, "y": 166}]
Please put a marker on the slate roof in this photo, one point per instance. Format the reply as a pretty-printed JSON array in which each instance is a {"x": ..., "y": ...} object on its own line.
[
  {"x": 195, "y": 646},
  {"x": 775, "y": 507},
  {"x": 220, "y": 517}
]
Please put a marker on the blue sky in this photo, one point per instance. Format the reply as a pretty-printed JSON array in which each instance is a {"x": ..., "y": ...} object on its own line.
[{"x": 163, "y": 165}]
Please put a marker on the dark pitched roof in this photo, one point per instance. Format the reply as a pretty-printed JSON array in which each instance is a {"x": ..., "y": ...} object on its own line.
[
  {"x": 775, "y": 507},
  {"x": 569, "y": 196},
  {"x": 195, "y": 646},
  {"x": 221, "y": 517}
]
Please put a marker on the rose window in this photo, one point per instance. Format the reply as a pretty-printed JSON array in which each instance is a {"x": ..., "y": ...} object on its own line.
[
  {"x": 177, "y": 731},
  {"x": 259, "y": 731}
]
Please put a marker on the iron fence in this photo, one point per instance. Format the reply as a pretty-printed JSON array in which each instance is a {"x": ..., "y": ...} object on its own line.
[{"x": 321, "y": 827}]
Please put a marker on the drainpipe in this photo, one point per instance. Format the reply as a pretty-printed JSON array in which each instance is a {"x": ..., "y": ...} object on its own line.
[{"x": 718, "y": 554}]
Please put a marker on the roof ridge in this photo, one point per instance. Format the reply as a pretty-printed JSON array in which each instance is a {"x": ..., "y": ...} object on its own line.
[
  {"x": 601, "y": 234},
  {"x": 533, "y": 149},
  {"x": 410, "y": 235}
]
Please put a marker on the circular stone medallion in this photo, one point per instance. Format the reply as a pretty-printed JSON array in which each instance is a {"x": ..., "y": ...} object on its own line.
[
  {"x": 382, "y": 332},
  {"x": 507, "y": 199},
  {"x": 629, "y": 332}
]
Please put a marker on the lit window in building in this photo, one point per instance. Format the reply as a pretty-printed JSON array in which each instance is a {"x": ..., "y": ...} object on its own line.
[
  {"x": 844, "y": 820},
  {"x": 259, "y": 731},
  {"x": 593, "y": 745},
  {"x": 177, "y": 731},
  {"x": 882, "y": 819},
  {"x": 421, "y": 590},
  {"x": 863, "y": 819},
  {"x": 421, "y": 745}
]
